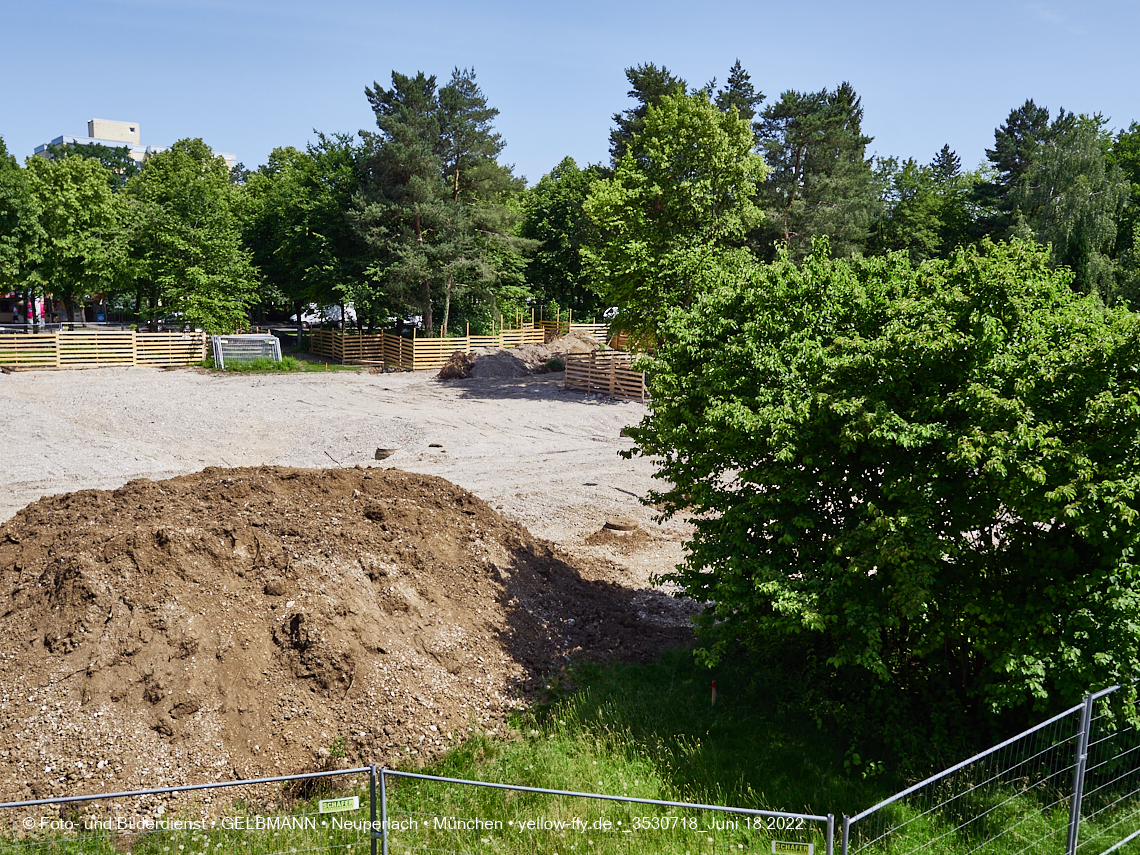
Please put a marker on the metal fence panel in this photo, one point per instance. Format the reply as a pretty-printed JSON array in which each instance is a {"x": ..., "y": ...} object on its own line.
[
  {"x": 1110, "y": 789},
  {"x": 1014, "y": 797},
  {"x": 423, "y": 813},
  {"x": 245, "y": 348},
  {"x": 326, "y": 812}
]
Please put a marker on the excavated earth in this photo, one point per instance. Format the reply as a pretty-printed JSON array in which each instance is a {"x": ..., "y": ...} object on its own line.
[{"x": 242, "y": 622}]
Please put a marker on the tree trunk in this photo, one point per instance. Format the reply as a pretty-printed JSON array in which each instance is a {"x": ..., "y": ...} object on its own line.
[
  {"x": 425, "y": 291},
  {"x": 446, "y": 306}
]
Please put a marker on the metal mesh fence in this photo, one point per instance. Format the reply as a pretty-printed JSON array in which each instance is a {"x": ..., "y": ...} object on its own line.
[
  {"x": 326, "y": 812},
  {"x": 1014, "y": 798},
  {"x": 1070, "y": 784},
  {"x": 1110, "y": 790},
  {"x": 440, "y": 815},
  {"x": 245, "y": 348}
]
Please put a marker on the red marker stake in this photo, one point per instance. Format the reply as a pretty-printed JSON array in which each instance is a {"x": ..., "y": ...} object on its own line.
[{"x": 714, "y": 693}]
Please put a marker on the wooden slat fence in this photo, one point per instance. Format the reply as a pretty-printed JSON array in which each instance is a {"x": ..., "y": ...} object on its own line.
[
  {"x": 395, "y": 351},
  {"x": 605, "y": 373},
  {"x": 91, "y": 349},
  {"x": 557, "y": 329}
]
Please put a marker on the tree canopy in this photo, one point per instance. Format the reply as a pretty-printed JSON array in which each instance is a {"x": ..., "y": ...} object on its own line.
[
  {"x": 676, "y": 209},
  {"x": 933, "y": 468},
  {"x": 434, "y": 209},
  {"x": 188, "y": 254}
]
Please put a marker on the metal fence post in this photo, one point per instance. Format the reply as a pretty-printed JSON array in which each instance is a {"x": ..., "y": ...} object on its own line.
[
  {"x": 1079, "y": 777},
  {"x": 831, "y": 834},
  {"x": 845, "y": 835},
  {"x": 383, "y": 813},
  {"x": 372, "y": 806}
]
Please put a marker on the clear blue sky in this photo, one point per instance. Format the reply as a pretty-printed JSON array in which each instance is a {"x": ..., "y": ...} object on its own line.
[{"x": 250, "y": 75}]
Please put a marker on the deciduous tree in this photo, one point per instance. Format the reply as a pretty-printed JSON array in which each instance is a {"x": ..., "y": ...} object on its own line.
[
  {"x": 676, "y": 209},
  {"x": 555, "y": 216},
  {"x": 935, "y": 470},
  {"x": 187, "y": 246},
  {"x": 78, "y": 248}
]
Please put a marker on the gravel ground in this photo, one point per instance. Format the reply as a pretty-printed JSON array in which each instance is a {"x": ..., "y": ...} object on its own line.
[{"x": 541, "y": 455}]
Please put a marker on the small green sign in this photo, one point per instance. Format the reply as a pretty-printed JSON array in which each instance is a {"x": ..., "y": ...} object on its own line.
[
  {"x": 353, "y": 803},
  {"x": 784, "y": 847}
]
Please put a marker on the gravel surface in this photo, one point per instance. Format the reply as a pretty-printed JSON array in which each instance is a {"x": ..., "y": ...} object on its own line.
[
  {"x": 534, "y": 453},
  {"x": 543, "y": 456}
]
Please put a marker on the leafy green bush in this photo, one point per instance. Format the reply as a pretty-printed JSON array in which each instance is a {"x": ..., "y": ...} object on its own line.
[
  {"x": 934, "y": 470},
  {"x": 555, "y": 364}
]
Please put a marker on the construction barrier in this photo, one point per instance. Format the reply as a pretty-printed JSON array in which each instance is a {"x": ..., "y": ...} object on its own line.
[
  {"x": 94, "y": 349},
  {"x": 415, "y": 353},
  {"x": 605, "y": 373}
]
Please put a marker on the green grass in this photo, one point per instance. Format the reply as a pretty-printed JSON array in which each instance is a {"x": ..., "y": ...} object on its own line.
[
  {"x": 287, "y": 365},
  {"x": 646, "y": 731}
]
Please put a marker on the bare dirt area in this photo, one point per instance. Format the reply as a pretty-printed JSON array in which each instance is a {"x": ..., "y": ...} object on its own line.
[{"x": 223, "y": 581}]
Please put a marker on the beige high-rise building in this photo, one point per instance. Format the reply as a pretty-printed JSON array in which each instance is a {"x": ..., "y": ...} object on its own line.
[
  {"x": 108, "y": 129},
  {"x": 115, "y": 134}
]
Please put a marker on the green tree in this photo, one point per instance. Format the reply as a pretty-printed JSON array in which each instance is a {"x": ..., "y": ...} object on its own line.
[
  {"x": 468, "y": 143},
  {"x": 821, "y": 183},
  {"x": 933, "y": 470},
  {"x": 301, "y": 240},
  {"x": 186, "y": 245},
  {"x": 434, "y": 209},
  {"x": 1054, "y": 181},
  {"x": 1125, "y": 156},
  {"x": 925, "y": 211},
  {"x": 676, "y": 209},
  {"x": 555, "y": 217},
  {"x": 910, "y": 218},
  {"x": 1069, "y": 196},
  {"x": 17, "y": 220},
  {"x": 739, "y": 93},
  {"x": 78, "y": 248},
  {"x": 648, "y": 85},
  {"x": 1015, "y": 146},
  {"x": 120, "y": 166}
]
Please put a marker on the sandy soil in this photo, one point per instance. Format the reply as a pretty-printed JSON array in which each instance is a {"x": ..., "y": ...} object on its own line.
[
  {"x": 532, "y": 452},
  {"x": 543, "y": 456}
]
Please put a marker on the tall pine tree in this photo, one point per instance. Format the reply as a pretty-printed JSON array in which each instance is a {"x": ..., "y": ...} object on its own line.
[{"x": 821, "y": 182}]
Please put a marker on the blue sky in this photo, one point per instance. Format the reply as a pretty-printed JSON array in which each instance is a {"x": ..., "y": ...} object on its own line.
[{"x": 250, "y": 75}]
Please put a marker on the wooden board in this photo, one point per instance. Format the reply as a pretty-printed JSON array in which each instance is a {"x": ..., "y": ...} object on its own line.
[
  {"x": 606, "y": 374},
  {"x": 93, "y": 349}
]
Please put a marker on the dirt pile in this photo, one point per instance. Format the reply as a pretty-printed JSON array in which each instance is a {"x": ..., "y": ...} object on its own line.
[
  {"x": 498, "y": 363},
  {"x": 571, "y": 343},
  {"x": 458, "y": 367},
  {"x": 239, "y": 622}
]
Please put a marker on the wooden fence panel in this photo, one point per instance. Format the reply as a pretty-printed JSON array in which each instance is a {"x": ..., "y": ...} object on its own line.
[
  {"x": 85, "y": 349},
  {"x": 395, "y": 351},
  {"x": 477, "y": 342},
  {"x": 169, "y": 349},
  {"x": 605, "y": 373},
  {"x": 91, "y": 349},
  {"x": 21, "y": 350},
  {"x": 557, "y": 329}
]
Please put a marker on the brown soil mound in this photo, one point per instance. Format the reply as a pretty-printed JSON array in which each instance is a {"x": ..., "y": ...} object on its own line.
[
  {"x": 624, "y": 542},
  {"x": 571, "y": 343},
  {"x": 458, "y": 367},
  {"x": 498, "y": 364},
  {"x": 236, "y": 622}
]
